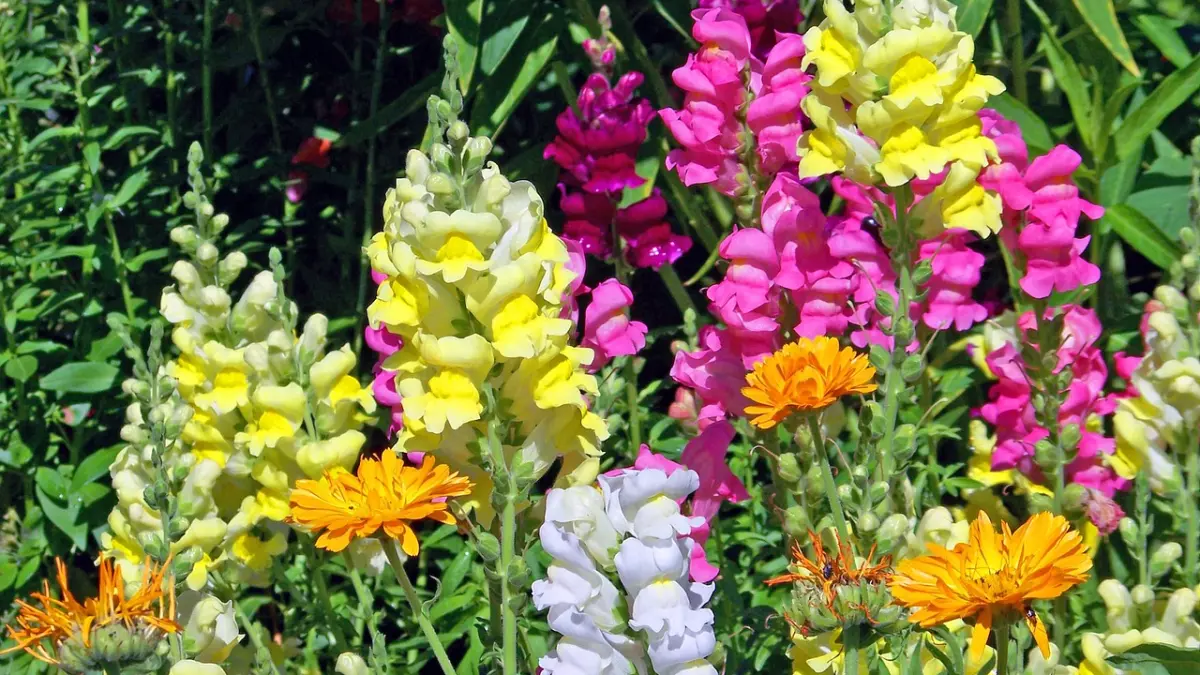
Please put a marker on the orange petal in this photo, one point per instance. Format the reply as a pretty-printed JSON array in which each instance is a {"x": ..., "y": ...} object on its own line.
[
  {"x": 1038, "y": 629},
  {"x": 979, "y": 634}
]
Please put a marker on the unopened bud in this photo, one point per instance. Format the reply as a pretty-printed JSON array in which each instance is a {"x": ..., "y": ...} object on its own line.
[
  {"x": 219, "y": 222},
  {"x": 232, "y": 266},
  {"x": 489, "y": 547},
  {"x": 349, "y": 663},
  {"x": 868, "y": 522},
  {"x": 184, "y": 236},
  {"x": 206, "y": 253},
  {"x": 789, "y": 468},
  {"x": 1070, "y": 437},
  {"x": 893, "y": 528},
  {"x": 795, "y": 522},
  {"x": 1130, "y": 533},
  {"x": 458, "y": 132},
  {"x": 440, "y": 184},
  {"x": 1164, "y": 558}
]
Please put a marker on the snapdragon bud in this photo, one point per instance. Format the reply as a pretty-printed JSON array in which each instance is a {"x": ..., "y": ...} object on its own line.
[
  {"x": 892, "y": 531},
  {"x": 458, "y": 132},
  {"x": 219, "y": 222},
  {"x": 312, "y": 339},
  {"x": 206, "y": 253},
  {"x": 206, "y": 210},
  {"x": 349, "y": 663},
  {"x": 789, "y": 468},
  {"x": 868, "y": 522},
  {"x": 477, "y": 151},
  {"x": 1118, "y": 603},
  {"x": 440, "y": 184},
  {"x": 1164, "y": 558},
  {"x": 185, "y": 236},
  {"x": 1130, "y": 533},
  {"x": 231, "y": 267},
  {"x": 1171, "y": 298},
  {"x": 796, "y": 522}
]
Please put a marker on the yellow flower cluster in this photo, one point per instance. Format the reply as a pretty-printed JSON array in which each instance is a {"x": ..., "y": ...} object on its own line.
[
  {"x": 268, "y": 408},
  {"x": 476, "y": 286},
  {"x": 896, "y": 97}
]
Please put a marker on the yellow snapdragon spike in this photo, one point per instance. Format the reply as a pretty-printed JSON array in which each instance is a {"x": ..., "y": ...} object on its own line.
[
  {"x": 278, "y": 413},
  {"x": 340, "y": 451},
  {"x": 256, "y": 552},
  {"x": 961, "y": 202}
]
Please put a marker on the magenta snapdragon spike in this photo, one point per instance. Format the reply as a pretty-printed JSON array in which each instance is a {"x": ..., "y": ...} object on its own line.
[
  {"x": 1010, "y": 409},
  {"x": 765, "y": 19},
  {"x": 597, "y": 151}
]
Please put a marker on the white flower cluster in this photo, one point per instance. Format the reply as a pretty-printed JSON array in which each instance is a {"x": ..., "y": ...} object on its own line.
[{"x": 630, "y": 525}]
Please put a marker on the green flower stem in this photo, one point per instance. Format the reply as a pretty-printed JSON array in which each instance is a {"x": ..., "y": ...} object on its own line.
[
  {"x": 331, "y": 617},
  {"x": 111, "y": 669},
  {"x": 1191, "y": 557},
  {"x": 1001, "y": 629},
  {"x": 367, "y": 608},
  {"x": 676, "y": 288},
  {"x": 850, "y": 640},
  {"x": 206, "y": 76},
  {"x": 1020, "y": 84},
  {"x": 391, "y": 549},
  {"x": 369, "y": 206},
  {"x": 508, "y": 540},
  {"x": 835, "y": 502},
  {"x": 260, "y": 647},
  {"x": 172, "y": 83},
  {"x": 893, "y": 384},
  {"x": 623, "y": 273},
  {"x": 1142, "y": 512}
]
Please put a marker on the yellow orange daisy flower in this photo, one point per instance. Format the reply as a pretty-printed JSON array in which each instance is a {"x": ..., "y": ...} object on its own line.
[
  {"x": 994, "y": 576},
  {"x": 385, "y": 494},
  {"x": 809, "y": 374},
  {"x": 40, "y": 630}
]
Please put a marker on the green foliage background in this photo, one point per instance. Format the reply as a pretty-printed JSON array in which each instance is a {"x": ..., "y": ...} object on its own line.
[{"x": 99, "y": 100}]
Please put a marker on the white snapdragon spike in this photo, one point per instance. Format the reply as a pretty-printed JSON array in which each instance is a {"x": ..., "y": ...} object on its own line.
[
  {"x": 583, "y": 604},
  {"x": 646, "y": 503},
  {"x": 580, "y": 511}
]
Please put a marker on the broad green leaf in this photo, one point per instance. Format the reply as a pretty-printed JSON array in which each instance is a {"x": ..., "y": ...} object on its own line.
[
  {"x": 1037, "y": 133},
  {"x": 80, "y": 377},
  {"x": 1101, "y": 17},
  {"x": 1066, "y": 73},
  {"x": 65, "y": 519},
  {"x": 92, "y": 468},
  {"x": 507, "y": 26},
  {"x": 1142, "y": 234},
  {"x": 136, "y": 181},
  {"x": 8, "y": 574},
  {"x": 1164, "y": 33},
  {"x": 464, "y": 20},
  {"x": 503, "y": 91},
  {"x": 52, "y": 483},
  {"x": 972, "y": 15},
  {"x": 1158, "y": 659},
  {"x": 1118, "y": 180},
  {"x": 21, "y": 368},
  {"x": 412, "y": 100},
  {"x": 1173, "y": 92}
]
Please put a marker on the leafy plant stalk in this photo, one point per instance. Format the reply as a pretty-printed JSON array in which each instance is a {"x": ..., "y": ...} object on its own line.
[{"x": 391, "y": 549}]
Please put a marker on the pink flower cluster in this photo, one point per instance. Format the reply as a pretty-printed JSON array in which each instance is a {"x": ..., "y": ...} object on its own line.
[
  {"x": 383, "y": 386},
  {"x": 704, "y": 454},
  {"x": 607, "y": 329},
  {"x": 765, "y": 19},
  {"x": 718, "y": 80},
  {"x": 597, "y": 151},
  {"x": 1041, "y": 210},
  {"x": 1010, "y": 410}
]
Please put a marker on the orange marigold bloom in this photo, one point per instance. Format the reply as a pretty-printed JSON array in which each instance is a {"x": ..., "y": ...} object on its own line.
[
  {"x": 994, "y": 576},
  {"x": 385, "y": 495},
  {"x": 827, "y": 570},
  {"x": 151, "y": 607},
  {"x": 808, "y": 374}
]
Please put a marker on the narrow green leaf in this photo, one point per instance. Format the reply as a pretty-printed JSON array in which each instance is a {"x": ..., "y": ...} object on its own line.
[
  {"x": 129, "y": 188},
  {"x": 1155, "y": 658},
  {"x": 81, "y": 377},
  {"x": 1143, "y": 235},
  {"x": 1112, "y": 109},
  {"x": 1101, "y": 17},
  {"x": 464, "y": 20},
  {"x": 91, "y": 154},
  {"x": 1164, "y": 33},
  {"x": 508, "y": 28},
  {"x": 1036, "y": 131},
  {"x": 1173, "y": 92},
  {"x": 412, "y": 100},
  {"x": 124, "y": 133},
  {"x": 1067, "y": 74},
  {"x": 49, "y": 135},
  {"x": 972, "y": 15},
  {"x": 519, "y": 72}
]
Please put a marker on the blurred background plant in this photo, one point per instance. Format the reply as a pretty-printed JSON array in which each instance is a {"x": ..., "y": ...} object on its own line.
[{"x": 305, "y": 110}]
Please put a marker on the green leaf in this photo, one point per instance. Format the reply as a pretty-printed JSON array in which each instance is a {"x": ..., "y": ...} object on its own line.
[
  {"x": 509, "y": 25},
  {"x": 65, "y": 519},
  {"x": 464, "y": 20},
  {"x": 129, "y": 188},
  {"x": 1158, "y": 659},
  {"x": 1101, "y": 17},
  {"x": 128, "y": 132},
  {"x": 1036, "y": 131},
  {"x": 1164, "y": 33},
  {"x": 972, "y": 15},
  {"x": 519, "y": 72},
  {"x": 93, "y": 467},
  {"x": 677, "y": 14},
  {"x": 412, "y": 100},
  {"x": 91, "y": 154},
  {"x": 1174, "y": 91},
  {"x": 1142, "y": 234},
  {"x": 51, "y": 482},
  {"x": 80, "y": 377},
  {"x": 50, "y": 134},
  {"x": 21, "y": 368},
  {"x": 1066, "y": 73}
]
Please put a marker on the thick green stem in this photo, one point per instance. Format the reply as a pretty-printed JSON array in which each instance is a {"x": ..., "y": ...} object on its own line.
[
  {"x": 835, "y": 502},
  {"x": 1002, "y": 632},
  {"x": 893, "y": 384},
  {"x": 1020, "y": 84},
  {"x": 508, "y": 541},
  {"x": 850, "y": 640},
  {"x": 391, "y": 549},
  {"x": 331, "y": 617}
]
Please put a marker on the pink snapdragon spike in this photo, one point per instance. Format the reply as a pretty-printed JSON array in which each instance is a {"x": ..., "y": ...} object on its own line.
[
  {"x": 956, "y": 273},
  {"x": 1010, "y": 409},
  {"x": 772, "y": 115},
  {"x": 764, "y": 18},
  {"x": 597, "y": 151},
  {"x": 607, "y": 329}
]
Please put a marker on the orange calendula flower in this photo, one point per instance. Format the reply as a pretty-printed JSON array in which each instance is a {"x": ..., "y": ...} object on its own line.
[
  {"x": 809, "y": 374},
  {"x": 828, "y": 570},
  {"x": 384, "y": 495},
  {"x": 41, "y": 630},
  {"x": 994, "y": 576}
]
